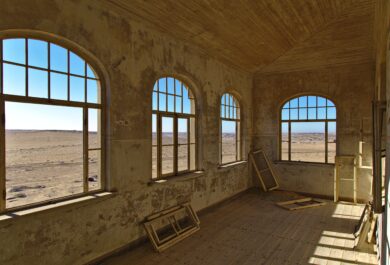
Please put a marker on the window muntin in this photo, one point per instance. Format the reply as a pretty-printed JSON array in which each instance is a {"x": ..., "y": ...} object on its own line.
[
  {"x": 308, "y": 130},
  {"x": 230, "y": 130},
  {"x": 51, "y": 136},
  {"x": 173, "y": 128}
]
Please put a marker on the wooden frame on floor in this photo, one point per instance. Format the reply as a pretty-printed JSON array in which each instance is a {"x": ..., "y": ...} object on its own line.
[
  {"x": 158, "y": 226},
  {"x": 261, "y": 170},
  {"x": 300, "y": 204}
]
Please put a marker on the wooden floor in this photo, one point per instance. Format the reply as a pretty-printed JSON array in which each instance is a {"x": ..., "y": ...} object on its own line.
[{"x": 251, "y": 229}]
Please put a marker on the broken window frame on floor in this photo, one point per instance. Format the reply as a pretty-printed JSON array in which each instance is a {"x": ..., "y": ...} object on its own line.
[
  {"x": 287, "y": 107},
  {"x": 260, "y": 171},
  {"x": 90, "y": 74},
  {"x": 170, "y": 218}
]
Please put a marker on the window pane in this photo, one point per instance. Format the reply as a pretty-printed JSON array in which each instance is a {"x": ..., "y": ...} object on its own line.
[
  {"x": 308, "y": 141},
  {"x": 329, "y": 103},
  {"x": 182, "y": 126},
  {"x": 154, "y": 129},
  {"x": 285, "y": 114},
  {"x": 186, "y": 105},
  {"x": 303, "y": 113},
  {"x": 58, "y": 86},
  {"x": 162, "y": 85},
  {"x": 171, "y": 85},
  {"x": 178, "y": 87},
  {"x": 228, "y": 141},
  {"x": 294, "y": 103},
  {"x": 154, "y": 101},
  {"x": 331, "y": 112},
  {"x": 94, "y": 170},
  {"x": 167, "y": 159},
  {"x": 293, "y": 114},
  {"x": 77, "y": 65},
  {"x": 162, "y": 105},
  {"x": 154, "y": 162},
  {"x": 94, "y": 129},
  {"x": 312, "y": 101},
  {"x": 90, "y": 72},
  {"x": 182, "y": 157},
  {"x": 171, "y": 103},
  {"x": 14, "y": 50},
  {"x": 58, "y": 58},
  {"x": 312, "y": 114},
  {"x": 167, "y": 130},
  {"x": 303, "y": 102},
  {"x": 44, "y": 152},
  {"x": 37, "y": 53},
  {"x": 14, "y": 78},
  {"x": 192, "y": 157},
  {"x": 321, "y": 113},
  {"x": 77, "y": 91},
  {"x": 331, "y": 141},
  {"x": 93, "y": 91},
  {"x": 179, "y": 105},
  {"x": 238, "y": 143},
  {"x": 284, "y": 138},
  {"x": 321, "y": 102},
  {"x": 37, "y": 83},
  {"x": 192, "y": 130}
]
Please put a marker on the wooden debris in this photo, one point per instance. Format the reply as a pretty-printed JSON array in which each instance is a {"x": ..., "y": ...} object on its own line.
[
  {"x": 300, "y": 204},
  {"x": 264, "y": 170},
  {"x": 170, "y": 226}
]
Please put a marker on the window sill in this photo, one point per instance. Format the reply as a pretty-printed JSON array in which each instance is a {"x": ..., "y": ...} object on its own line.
[
  {"x": 233, "y": 164},
  {"x": 68, "y": 203},
  {"x": 178, "y": 178},
  {"x": 303, "y": 163}
]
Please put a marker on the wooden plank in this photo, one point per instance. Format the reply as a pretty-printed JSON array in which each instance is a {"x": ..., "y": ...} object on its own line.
[{"x": 300, "y": 204}]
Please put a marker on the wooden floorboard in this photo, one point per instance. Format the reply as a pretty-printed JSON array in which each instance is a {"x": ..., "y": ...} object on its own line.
[{"x": 251, "y": 229}]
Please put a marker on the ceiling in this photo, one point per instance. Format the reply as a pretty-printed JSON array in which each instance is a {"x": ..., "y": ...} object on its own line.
[{"x": 266, "y": 35}]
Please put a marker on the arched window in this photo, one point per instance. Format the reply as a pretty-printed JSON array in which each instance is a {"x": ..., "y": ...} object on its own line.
[
  {"x": 308, "y": 130},
  {"x": 173, "y": 128},
  {"x": 51, "y": 101},
  {"x": 230, "y": 130}
]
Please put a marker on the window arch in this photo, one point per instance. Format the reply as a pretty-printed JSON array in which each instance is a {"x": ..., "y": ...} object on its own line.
[
  {"x": 230, "y": 130},
  {"x": 308, "y": 130},
  {"x": 173, "y": 128},
  {"x": 52, "y": 102}
]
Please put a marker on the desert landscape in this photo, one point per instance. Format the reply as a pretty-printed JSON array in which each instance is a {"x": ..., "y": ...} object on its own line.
[
  {"x": 44, "y": 165},
  {"x": 309, "y": 147}
]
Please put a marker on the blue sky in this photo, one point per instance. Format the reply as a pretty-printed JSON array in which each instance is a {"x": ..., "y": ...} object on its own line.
[{"x": 38, "y": 116}]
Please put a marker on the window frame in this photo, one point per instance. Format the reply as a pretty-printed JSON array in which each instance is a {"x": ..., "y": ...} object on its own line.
[
  {"x": 160, "y": 114},
  {"x": 85, "y": 106},
  {"x": 238, "y": 129},
  {"x": 289, "y": 121}
]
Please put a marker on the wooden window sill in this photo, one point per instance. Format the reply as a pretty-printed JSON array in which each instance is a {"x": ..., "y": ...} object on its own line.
[
  {"x": 93, "y": 198},
  {"x": 178, "y": 178},
  {"x": 233, "y": 164},
  {"x": 303, "y": 163}
]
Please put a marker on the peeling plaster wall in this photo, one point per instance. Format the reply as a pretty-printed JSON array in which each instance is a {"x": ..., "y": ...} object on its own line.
[
  {"x": 351, "y": 88},
  {"x": 133, "y": 57}
]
